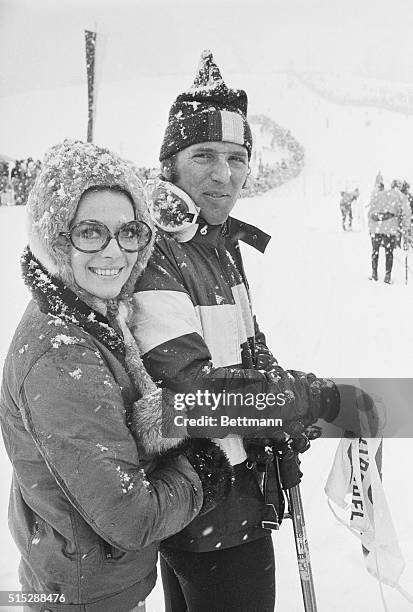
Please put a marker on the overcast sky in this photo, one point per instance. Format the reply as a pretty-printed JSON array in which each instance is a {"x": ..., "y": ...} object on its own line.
[
  {"x": 41, "y": 44},
  {"x": 148, "y": 50}
]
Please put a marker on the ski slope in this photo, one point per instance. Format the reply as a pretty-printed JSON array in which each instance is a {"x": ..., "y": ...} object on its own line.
[{"x": 320, "y": 313}]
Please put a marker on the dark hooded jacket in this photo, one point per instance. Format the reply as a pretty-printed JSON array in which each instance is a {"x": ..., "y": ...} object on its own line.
[{"x": 84, "y": 514}]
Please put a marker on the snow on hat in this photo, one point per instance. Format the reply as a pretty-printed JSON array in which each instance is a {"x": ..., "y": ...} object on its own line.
[
  {"x": 67, "y": 171},
  {"x": 208, "y": 111}
]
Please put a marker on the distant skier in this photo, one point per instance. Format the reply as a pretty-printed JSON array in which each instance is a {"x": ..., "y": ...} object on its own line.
[
  {"x": 347, "y": 199},
  {"x": 389, "y": 215},
  {"x": 379, "y": 182}
]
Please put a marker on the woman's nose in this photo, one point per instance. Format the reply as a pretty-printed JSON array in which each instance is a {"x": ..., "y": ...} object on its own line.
[{"x": 112, "y": 249}]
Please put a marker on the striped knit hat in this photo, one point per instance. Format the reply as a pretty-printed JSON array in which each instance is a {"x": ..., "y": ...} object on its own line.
[{"x": 208, "y": 111}]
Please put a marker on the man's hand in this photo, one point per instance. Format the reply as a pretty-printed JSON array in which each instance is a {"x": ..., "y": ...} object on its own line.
[
  {"x": 308, "y": 398},
  {"x": 265, "y": 360}
]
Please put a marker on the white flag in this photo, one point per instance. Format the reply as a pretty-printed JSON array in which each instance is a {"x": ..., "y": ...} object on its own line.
[{"x": 354, "y": 484}]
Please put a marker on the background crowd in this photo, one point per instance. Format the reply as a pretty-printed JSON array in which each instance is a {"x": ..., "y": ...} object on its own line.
[
  {"x": 16, "y": 180},
  {"x": 17, "y": 176}
]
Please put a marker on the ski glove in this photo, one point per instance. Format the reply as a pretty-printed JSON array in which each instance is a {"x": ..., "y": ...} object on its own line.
[
  {"x": 264, "y": 359},
  {"x": 313, "y": 398}
]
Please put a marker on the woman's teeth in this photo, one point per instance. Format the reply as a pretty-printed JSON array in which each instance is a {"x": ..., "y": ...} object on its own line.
[{"x": 106, "y": 271}]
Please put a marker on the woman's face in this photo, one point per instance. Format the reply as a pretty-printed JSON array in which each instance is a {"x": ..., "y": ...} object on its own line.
[{"x": 103, "y": 274}]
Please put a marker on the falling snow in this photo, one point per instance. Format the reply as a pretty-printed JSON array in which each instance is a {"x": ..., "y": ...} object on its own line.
[
  {"x": 319, "y": 312},
  {"x": 63, "y": 339},
  {"x": 76, "y": 374}
]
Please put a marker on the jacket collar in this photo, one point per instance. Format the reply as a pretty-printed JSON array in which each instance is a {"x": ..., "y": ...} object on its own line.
[
  {"x": 54, "y": 298},
  {"x": 233, "y": 230}
]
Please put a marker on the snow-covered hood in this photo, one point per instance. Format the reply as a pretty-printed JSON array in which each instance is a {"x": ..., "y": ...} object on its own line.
[{"x": 68, "y": 170}]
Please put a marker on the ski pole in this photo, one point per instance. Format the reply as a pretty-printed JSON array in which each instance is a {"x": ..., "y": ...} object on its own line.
[
  {"x": 296, "y": 513},
  {"x": 406, "y": 267},
  {"x": 290, "y": 475}
]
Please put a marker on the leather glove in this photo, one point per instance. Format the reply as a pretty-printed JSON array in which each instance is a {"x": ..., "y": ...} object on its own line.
[
  {"x": 312, "y": 398},
  {"x": 264, "y": 359}
]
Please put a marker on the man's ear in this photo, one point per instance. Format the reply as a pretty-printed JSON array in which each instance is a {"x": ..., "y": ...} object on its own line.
[{"x": 166, "y": 171}]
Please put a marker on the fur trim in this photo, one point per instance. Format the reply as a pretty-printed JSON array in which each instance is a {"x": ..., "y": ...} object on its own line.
[
  {"x": 214, "y": 471},
  {"x": 54, "y": 298},
  {"x": 152, "y": 416},
  {"x": 137, "y": 371},
  {"x": 152, "y": 423}
]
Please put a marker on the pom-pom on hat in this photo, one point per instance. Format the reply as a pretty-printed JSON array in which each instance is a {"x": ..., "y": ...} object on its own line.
[
  {"x": 209, "y": 111},
  {"x": 68, "y": 170}
]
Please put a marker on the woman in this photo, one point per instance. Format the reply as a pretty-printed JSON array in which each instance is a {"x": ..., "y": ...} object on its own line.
[{"x": 87, "y": 510}]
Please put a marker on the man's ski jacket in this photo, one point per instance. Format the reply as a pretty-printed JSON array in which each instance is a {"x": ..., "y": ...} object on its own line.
[
  {"x": 194, "y": 319},
  {"x": 389, "y": 213}
]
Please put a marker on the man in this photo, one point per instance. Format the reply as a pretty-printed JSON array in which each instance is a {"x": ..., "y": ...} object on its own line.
[
  {"x": 388, "y": 218},
  {"x": 347, "y": 199},
  {"x": 196, "y": 329}
]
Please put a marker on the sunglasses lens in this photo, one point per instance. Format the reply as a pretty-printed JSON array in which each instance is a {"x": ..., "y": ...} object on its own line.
[
  {"x": 134, "y": 236},
  {"x": 89, "y": 236}
]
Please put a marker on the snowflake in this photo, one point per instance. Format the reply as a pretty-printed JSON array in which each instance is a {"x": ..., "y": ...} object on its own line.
[
  {"x": 125, "y": 480},
  {"x": 289, "y": 395},
  {"x": 63, "y": 339},
  {"x": 23, "y": 349},
  {"x": 56, "y": 321},
  {"x": 76, "y": 373},
  {"x": 207, "y": 531}
]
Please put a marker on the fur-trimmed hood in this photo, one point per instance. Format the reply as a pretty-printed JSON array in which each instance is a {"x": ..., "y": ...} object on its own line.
[{"x": 68, "y": 170}]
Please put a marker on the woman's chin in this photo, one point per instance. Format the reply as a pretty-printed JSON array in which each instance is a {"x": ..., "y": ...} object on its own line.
[{"x": 104, "y": 293}]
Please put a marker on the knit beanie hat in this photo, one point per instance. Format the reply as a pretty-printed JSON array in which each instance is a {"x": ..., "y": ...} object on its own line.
[
  {"x": 209, "y": 111},
  {"x": 68, "y": 170}
]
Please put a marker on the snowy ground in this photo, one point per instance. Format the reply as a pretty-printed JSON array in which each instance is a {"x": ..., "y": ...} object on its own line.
[{"x": 320, "y": 313}]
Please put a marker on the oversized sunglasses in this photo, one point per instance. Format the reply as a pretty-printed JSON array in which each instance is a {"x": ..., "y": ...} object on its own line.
[{"x": 92, "y": 236}]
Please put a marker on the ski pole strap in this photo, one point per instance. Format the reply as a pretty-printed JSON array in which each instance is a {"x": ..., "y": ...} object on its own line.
[
  {"x": 273, "y": 498},
  {"x": 274, "y": 503}
]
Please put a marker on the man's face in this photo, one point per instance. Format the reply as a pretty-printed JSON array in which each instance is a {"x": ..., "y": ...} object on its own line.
[{"x": 212, "y": 174}]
